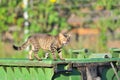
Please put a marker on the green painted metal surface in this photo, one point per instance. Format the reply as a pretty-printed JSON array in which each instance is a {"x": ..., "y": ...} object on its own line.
[
  {"x": 22, "y": 73},
  {"x": 23, "y": 69},
  {"x": 50, "y": 62},
  {"x": 115, "y": 52}
]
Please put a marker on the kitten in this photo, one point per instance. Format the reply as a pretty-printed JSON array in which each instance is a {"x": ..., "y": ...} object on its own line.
[{"x": 45, "y": 42}]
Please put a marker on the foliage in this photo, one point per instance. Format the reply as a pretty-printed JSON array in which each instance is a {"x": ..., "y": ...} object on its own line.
[{"x": 50, "y": 16}]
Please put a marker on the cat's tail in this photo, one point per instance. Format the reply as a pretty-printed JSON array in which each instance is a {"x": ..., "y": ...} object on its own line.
[{"x": 22, "y": 46}]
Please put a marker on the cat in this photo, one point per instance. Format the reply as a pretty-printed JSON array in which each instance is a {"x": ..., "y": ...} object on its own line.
[{"x": 45, "y": 42}]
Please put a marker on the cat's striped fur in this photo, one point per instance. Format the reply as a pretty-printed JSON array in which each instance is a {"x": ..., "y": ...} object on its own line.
[{"x": 46, "y": 42}]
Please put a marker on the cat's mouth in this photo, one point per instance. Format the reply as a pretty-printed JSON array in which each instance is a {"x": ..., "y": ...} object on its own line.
[{"x": 64, "y": 43}]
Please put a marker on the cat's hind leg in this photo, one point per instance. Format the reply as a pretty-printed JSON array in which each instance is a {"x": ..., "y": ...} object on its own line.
[
  {"x": 53, "y": 53},
  {"x": 35, "y": 47},
  {"x": 35, "y": 51},
  {"x": 37, "y": 57},
  {"x": 30, "y": 55},
  {"x": 36, "y": 54}
]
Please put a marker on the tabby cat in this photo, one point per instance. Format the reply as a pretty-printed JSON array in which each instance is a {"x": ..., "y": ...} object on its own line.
[{"x": 45, "y": 42}]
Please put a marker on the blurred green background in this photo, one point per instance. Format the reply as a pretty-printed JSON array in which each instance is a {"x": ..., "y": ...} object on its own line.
[{"x": 94, "y": 24}]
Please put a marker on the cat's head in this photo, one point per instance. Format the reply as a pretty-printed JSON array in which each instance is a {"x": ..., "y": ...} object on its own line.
[{"x": 64, "y": 38}]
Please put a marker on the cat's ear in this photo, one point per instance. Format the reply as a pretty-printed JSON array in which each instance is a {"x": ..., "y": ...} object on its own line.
[
  {"x": 61, "y": 35},
  {"x": 67, "y": 35}
]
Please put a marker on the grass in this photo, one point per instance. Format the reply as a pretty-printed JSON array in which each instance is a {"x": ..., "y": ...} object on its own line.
[{"x": 6, "y": 51}]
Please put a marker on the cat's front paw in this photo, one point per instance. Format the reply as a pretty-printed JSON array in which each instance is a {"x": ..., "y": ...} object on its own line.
[
  {"x": 39, "y": 59},
  {"x": 55, "y": 59}
]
